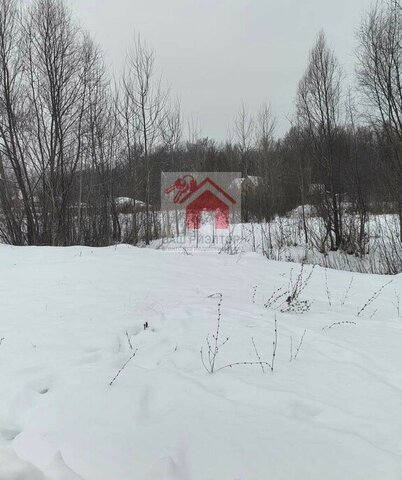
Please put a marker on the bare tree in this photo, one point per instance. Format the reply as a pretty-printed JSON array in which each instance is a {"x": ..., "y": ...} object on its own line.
[
  {"x": 265, "y": 127},
  {"x": 172, "y": 131},
  {"x": 15, "y": 179},
  {"x": 171, "y": 127},
  {"x": 380, "y": 78},
  {"x": 60, "y": 60},
  {"x": 297, "y": 147},
  {"x": 102, "y": 225},
  {"x": 244, "y": 136},
  {"x": 148, "y": 108},
  {"x": 318, "y": 112},
  {"x": 264, "y": 131},
  {"x": 131, "y": 151}
]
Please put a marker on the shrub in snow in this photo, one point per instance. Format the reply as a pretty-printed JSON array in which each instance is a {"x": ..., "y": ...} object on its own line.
[
  {"x": 288, "y": 298},
  {"x": 373, "y": 297},
  {"x": 122, "y": 368},
  {"x": 294, "y": 356},
  {"x": 213, "y": 347}
]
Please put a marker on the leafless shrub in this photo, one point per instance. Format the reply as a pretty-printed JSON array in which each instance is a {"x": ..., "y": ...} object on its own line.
[
  {"x": 346, "y": 292},
  {"x": 232, "y": 245},
  {"x": 378, "y": 250},
  {"x": 122, "y": 368},
  {"x": 327, "y": 287},
  {"x": 213, "y": 348},
  {"x": 260, "y": 362},
  {"x": 287, "y": 298},
  {"x": 277, "y": 295},
  {"x": 355, "y": 240},
  {"x": 293, "y": 301},
  {"x": 373, "y": 297},
  {"x": 387, "y": 247}
]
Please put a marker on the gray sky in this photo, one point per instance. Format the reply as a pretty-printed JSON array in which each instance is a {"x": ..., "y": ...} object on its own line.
[{"x": 216, "y": 54}]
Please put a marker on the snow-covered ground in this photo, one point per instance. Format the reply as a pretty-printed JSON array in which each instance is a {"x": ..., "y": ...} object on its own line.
[{"x": 70, "y": 318}]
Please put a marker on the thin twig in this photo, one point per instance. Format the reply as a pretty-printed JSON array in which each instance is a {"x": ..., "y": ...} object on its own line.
[
  {"x": 338, "y": 323},
  {"x": 230, "y": 365},
  {"x": 276, "y": 295},
  {"x": 300, "y": 344},
  {"x": 346, "y": 293},
  {"x": 122, "y": 368},
  {"x": 129, "y": 341},
  {"x": 258, "y": 355},
  {"x": 373, "y": 297},
  {"x": 213, "y": 350},
  {"x": 254, "y": 292},
  {"x": 274, "y": 345},
  {"x": 326, "y": 286}
]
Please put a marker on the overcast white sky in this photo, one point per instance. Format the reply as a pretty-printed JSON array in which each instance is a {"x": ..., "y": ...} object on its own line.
[{"x": 216, "y": 54}]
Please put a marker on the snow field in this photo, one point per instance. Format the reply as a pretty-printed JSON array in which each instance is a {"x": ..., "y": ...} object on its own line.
[{"x": 71, "y": 317}]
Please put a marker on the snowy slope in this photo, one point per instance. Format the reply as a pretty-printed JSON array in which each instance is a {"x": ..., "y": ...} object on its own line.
[{"x": 334, "y": 412}]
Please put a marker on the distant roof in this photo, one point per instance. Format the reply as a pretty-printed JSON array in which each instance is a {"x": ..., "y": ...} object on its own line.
[
  {"x": 124, "y": 201},
  {"x": 238, "y": 182}
]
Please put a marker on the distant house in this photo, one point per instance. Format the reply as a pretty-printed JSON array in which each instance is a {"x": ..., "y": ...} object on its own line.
[
  {"x": 246, "y": 184},
  {"x": 128, "y": 205}
]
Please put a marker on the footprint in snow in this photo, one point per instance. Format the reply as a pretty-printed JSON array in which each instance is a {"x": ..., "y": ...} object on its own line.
[
  {"x": 9, "y": 434},
  {"x": 42, "y": 385}
]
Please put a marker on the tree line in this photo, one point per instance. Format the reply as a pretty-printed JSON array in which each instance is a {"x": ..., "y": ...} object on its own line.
[{"x": 72, "y": 139}]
